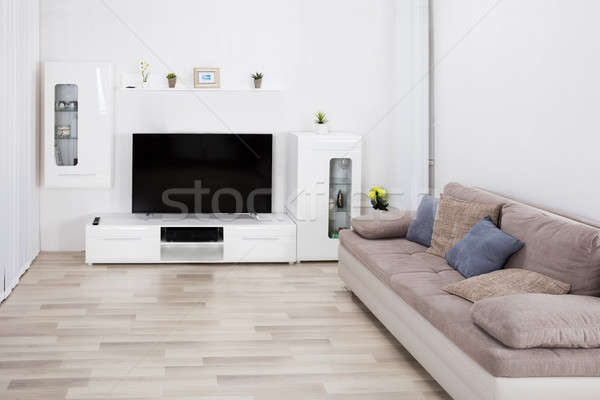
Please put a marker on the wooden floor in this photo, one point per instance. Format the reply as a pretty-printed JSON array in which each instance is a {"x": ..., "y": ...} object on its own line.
[{"x": 239, "y": 332}]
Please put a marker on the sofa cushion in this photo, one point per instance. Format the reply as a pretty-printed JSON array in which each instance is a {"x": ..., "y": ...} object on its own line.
[
  {"x": 541, "y": 320},
  {"x": 454, "y": 219},
  {"x": 384, "y": 225},
  {"x": 485, "y": 248},
  {"x": 421, "y": 227},
  {"x": 419, "y": 285},
  {"x": 504, "y": 283},
  {"x": 555, "y": 246},
  {"x": 502, "y": 361},
  {"x": 382, "y": 257},
  {"x": 451, "y": 315}
]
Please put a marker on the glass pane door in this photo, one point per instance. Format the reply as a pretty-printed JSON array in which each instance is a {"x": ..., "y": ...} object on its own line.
[
  {"x": 66, "y": 108},
  {"x": 340, "y": 195}
]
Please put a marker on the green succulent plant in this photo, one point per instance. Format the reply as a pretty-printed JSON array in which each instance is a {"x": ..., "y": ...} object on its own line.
[
  {"x": 258, "y": 75},
  {"x": 171, "y": 76},
  {"x": 321, "y": 118}
]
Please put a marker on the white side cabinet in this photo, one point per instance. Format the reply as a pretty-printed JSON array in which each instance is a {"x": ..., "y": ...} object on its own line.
[
  {"x": 323, "y": 190},
  {"x": 77, "y": 125}
]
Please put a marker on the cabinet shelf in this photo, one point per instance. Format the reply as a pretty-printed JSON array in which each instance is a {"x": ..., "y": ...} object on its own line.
[
  {"x": 340, "y": 183},
  {"x": 191, "y": 244},
  {"x": 66, "y": 111},
  {"x": 191, "y": 252},
  {"x": 339, "y": 212}
]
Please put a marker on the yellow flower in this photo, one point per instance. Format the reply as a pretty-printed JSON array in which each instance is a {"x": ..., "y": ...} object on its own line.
[{"x": 377, "y": 191}]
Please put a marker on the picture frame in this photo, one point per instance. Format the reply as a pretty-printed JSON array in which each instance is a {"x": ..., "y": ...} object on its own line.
[{"x": 206, "y": 77}]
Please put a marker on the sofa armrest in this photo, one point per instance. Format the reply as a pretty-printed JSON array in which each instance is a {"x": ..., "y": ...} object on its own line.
[{"x": 384, "y": 225}]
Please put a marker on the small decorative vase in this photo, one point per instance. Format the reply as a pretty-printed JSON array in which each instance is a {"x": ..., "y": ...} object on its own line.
[
  {"x": 144, "y": 84},
  {"x": 377, "y": 213},
  {"x": 257, "y": 83},
  {"x": 172, "y": 82},
  {"x": 321, "y": 129}
]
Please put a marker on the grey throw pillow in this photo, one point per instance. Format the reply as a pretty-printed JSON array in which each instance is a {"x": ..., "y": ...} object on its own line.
[
  {"x": 540, "y": 320},
  {"x": 421, "y": 228},
  {"x": 485, "y": 248}
]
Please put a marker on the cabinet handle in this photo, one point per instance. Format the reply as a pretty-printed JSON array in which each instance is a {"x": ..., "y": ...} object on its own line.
[{"x": 259, "y": 238}]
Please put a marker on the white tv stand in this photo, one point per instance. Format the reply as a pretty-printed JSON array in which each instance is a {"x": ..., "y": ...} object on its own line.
[{"x": 225, "y": 238}]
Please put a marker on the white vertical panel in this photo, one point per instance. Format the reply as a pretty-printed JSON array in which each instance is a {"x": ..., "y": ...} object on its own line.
[
  {"x": 3, "y": 150},
  {"x": 19, "y": 198}
]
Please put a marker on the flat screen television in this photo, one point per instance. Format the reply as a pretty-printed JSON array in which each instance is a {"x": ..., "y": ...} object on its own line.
[{"x": 202, "y": 173}]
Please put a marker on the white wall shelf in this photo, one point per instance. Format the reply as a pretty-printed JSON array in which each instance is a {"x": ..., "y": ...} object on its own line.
[{"x": 197, "y": 90}]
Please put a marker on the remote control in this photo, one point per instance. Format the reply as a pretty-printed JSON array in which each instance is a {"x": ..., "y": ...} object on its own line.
[{"x": 96, "y": 221}]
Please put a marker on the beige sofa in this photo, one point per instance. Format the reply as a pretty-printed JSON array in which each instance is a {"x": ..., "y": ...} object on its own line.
[{"x": 401, "y": 285}]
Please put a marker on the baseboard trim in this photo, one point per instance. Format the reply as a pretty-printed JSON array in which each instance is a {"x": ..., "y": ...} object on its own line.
[{"x": 10, "y": 286}]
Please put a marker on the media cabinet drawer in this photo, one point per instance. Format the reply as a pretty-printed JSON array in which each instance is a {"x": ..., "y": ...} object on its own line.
[
  {"x": 260, "y": 233},
  {"x": 260, "y": 244},
  {"x": 126, "y": 244}
]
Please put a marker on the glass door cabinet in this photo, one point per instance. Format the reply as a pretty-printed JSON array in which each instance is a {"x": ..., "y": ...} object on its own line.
[{"x": 323, "y": 190}]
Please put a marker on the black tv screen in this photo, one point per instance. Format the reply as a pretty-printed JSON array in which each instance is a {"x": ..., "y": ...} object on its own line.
[{"x": 202, "y": 173}]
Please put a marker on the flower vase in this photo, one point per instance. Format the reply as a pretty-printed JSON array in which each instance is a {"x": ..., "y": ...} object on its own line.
[
  {"x": 321, "y": 129},
  {"x": 377, "y": 213}
]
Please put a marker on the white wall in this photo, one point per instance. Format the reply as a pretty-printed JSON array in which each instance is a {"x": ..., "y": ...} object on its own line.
[
  {"x": 358, "y": 60},
  {"x": 19, "y": 196},
  {"x": 516, "y": 99}
]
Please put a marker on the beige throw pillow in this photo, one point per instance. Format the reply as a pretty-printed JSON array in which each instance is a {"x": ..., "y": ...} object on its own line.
[
  {"x": 506, "y": 282},
  {"x": 454, "y": 219}
]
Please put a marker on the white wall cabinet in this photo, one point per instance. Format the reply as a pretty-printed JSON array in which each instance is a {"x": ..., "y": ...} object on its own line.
[
  {"x": 323, "y": 190},
  {"x": 78, "y": 125}
]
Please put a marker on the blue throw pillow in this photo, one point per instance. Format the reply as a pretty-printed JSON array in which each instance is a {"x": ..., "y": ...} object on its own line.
[
  {"x": 485, "y": 248},
  {"x": 421, "y": 228}
]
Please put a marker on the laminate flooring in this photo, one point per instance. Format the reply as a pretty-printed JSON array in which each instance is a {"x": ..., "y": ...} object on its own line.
[{"x": 197, "y": 332}]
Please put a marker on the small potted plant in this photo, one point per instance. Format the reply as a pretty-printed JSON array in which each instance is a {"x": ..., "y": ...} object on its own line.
[
  {"x": 172, "y": 79},
  {"x": 144, "y": 69},
  {"x": 321, "y": 121},
  {"x": 379, "y": 198},
  {"x": 257, "y": 79}
]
